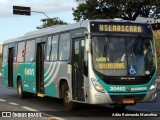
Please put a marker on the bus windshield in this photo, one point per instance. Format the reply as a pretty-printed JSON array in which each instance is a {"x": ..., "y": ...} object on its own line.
[{"x": 123, "y": 56}]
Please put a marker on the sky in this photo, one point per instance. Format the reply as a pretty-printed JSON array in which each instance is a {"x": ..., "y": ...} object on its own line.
[{"x": 12, "y": 26}]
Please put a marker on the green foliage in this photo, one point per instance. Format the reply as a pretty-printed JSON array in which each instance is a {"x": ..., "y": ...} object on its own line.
[
  {"x": 108, "y": 9},
  {"x": 47, "y": 22},
  {"x": 0, "y": 66},
  {"x": 157, "y": 36},
  {"x": 0, "y": 61}
]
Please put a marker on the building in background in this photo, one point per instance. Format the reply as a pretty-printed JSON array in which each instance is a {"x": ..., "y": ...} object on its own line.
[
  {"x": 149, "y": 20},
  {"x": 153, "y": 21}
]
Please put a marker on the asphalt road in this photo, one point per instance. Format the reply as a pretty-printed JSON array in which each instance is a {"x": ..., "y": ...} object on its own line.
[{"x": 53, "y": 108}]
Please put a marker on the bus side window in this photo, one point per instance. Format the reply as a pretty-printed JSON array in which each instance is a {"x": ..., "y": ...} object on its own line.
[
  {"x": 52, "y": 47},
  {"x": 15, "y": 53},
  {"x": 21, "y": 52},
  {"x": 49, "y": 42},
  {"x": 84, "y": 58},
  {"x": 30, "y": 51},
  {"x": 5, "y": 54},
  {"x": 64, "y": 46}
]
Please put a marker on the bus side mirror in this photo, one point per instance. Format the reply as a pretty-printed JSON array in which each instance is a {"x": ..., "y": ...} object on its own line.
[{"x": 88, "y": 45}]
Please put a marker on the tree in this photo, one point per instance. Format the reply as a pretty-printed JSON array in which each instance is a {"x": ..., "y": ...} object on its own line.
[
  {"x": 47, "y": 22},
  {"x": 108, "y": 9}
]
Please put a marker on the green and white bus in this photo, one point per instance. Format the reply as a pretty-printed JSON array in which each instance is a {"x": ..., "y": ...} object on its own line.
[{"x": 93, "y": 62}]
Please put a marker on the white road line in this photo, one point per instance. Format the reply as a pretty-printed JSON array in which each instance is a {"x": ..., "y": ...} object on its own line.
[
  {"x": 2, "y": 100},
  {"x": 28, "y": 108},
  {"x": 11, "y": 103},
  {"x": 31, "y": 109}
]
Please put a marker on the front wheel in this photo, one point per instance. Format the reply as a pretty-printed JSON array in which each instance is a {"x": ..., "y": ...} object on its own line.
[
  {"x": 69, "y": 105},
  {"x": 21, "y": 93}
]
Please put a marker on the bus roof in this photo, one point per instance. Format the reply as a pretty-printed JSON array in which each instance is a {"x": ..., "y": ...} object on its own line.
[{"x": 63, "y": 28}]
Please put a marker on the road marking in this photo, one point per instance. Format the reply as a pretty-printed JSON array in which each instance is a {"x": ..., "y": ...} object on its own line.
[
  {"x": 51, "y": 118},
  {"x": 28, "y": 108},
  {"x": 13, "y": 103},
  {"x": 2, "y": 100},
  {"x": 31, "y": 109}
]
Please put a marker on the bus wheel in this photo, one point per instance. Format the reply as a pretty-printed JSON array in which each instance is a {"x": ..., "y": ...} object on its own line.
[
  {"x": 69, "y": 105},
  {"x": 30, "y": 95},
  {"x": 21, "y": 93}
]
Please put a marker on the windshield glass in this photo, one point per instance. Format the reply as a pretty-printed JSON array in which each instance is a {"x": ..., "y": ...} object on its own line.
[{"x": 122, "y": 56}]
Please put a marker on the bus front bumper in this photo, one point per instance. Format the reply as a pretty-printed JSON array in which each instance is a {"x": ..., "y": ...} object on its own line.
[{"x": 95, "y": 97}]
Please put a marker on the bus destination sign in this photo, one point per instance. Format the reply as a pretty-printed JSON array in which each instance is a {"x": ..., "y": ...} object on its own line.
[{"x": 118, "y": 27}]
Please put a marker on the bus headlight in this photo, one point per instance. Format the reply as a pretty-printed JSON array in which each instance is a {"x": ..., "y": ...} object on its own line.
[
  {"x": 153, "y": 86},
  {"x": 97, "y": 86}
]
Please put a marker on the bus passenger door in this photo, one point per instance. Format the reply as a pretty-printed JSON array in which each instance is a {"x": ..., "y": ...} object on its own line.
[
  {"x": 78, "y": 69},
  {"x": 40, "y": 55},
  {"x": 10, "y": 67}
]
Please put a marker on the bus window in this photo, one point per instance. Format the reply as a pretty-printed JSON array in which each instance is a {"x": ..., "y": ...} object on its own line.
[
  {"x": 64, "y": 46},
  {"x": 132, "y": 52},
  {"x": 15, "y": 53},
  {"x": 84, "y": 57},
  {"x": 52, "y": 47},
  {"x": 53, "y": 55},
  {"x": 21, "y": 52},
  {"x": 5, "y": 53},
  {"x": 48, "y": 48},
  {"x": 30, "y": 50}
]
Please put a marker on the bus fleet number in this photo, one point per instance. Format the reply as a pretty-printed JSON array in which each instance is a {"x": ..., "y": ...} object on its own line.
[{"x": 117, "y": 88}]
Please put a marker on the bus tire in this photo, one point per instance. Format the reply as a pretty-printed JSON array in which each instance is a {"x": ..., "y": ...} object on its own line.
[
  {"x": 22, "y": 94},
  {"x": 69, "y": 105},
  {"x": 30, "y": 95}
]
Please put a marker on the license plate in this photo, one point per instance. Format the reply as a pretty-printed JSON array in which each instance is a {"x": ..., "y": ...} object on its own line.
[{"x": 128, "y": 101}]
